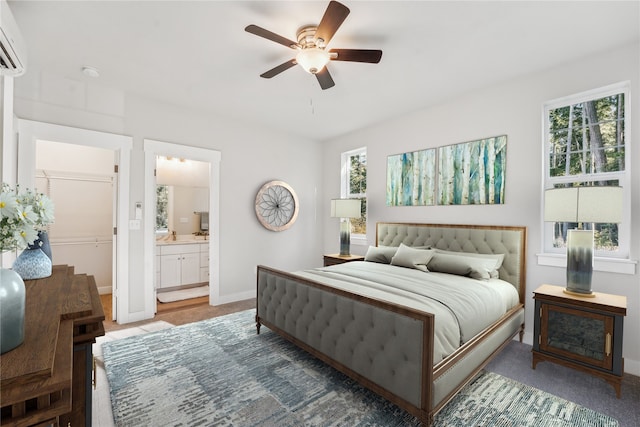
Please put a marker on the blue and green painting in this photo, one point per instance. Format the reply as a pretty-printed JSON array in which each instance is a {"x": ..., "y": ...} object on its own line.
[
  {"x": 472, "y": 173},
  {"x": 411, "y": 178}
]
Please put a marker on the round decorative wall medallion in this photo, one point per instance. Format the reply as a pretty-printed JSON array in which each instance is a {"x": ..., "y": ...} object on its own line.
[{"x": 276, "y": 206}]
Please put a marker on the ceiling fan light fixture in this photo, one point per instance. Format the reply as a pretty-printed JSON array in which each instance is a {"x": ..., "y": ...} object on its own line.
[{"x": 312, "y": 59}]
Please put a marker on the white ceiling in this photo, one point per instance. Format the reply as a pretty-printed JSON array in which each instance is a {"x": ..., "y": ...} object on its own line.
[{"x": 197, "y": 54}]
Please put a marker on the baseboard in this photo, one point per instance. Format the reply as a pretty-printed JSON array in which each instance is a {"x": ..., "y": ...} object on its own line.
[
  {"x": 241, "y": 296},
  {"x": 104, "y": 290},
  {"x": 632, "y": 367}
]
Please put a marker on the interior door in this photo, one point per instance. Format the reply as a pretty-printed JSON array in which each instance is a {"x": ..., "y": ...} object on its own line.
[{"x": 114, "y": 264}]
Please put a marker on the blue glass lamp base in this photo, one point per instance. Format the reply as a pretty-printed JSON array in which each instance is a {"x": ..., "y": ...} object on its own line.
[
  {"x": 345, "y": 237},
  {"x": 579, "y": 262}
]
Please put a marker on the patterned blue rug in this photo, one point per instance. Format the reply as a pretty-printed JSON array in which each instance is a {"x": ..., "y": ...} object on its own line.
[{"x": 218, "y": 372}]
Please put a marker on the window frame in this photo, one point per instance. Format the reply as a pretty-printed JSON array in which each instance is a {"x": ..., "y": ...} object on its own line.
[
  {"x": 345, "y": 169},
  {"x": 604, "y": 261}
]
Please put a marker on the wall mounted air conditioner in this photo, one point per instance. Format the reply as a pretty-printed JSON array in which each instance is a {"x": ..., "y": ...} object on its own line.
[{"x": 13, "y": 55}]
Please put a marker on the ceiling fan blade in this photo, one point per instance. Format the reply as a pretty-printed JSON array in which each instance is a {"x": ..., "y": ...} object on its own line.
[
  {"x": 357, "y": 55},
  {"x": 280, "y": 68},
  {"x": 324, "y": 78},
  {"x": 333, "y": 17},
  {"x": 259, "y": 31}
]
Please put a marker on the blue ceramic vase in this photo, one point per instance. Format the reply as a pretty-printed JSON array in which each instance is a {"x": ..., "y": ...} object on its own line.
[
  {"x": 12, "y": 301},
  {"x": 42, "y": 242},
  {"x": 32, "y": 264}
]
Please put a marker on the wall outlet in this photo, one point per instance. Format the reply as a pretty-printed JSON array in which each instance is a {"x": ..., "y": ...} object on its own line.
[{"x": 184, "y": 220}]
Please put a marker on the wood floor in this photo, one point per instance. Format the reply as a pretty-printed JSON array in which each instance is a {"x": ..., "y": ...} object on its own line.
[{"x": 177, "y": 313}]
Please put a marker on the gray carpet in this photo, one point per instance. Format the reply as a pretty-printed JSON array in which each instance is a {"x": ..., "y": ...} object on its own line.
[
  {"x": 579, "y": 387},
  {"x": 219, "y": 372}
]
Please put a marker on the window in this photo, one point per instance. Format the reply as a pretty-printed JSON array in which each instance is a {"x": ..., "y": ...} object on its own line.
[
  {"x": 162, "y": 201},
  {"x": 585, "y": 145},
  {"x": 354, "y": 186}
]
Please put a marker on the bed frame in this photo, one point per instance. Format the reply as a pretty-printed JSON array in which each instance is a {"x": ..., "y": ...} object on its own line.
[{"x": 388, "y": 347}]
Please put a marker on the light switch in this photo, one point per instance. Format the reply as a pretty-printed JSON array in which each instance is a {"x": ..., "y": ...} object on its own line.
[
  {"x": 138, "y": 210},
  {"x": 134, "y": 224},
  {"x": 184, "y": 220}
]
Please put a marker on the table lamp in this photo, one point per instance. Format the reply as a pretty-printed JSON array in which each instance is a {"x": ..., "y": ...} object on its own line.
[
  {"x": 345, "y": 209},
  {"x": 602, "y": 204}
]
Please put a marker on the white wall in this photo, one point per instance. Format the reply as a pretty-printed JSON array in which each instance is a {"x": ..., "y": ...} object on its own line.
[
  {"x": 251, "y": 156},
  {"x": 513, "y": 108}
]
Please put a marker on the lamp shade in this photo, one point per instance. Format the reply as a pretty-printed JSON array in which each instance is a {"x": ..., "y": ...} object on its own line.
[
  {"x": 345, "y": 208},
  {"x": 312, "y": 59},
  {"x": 583, "y": 204}
]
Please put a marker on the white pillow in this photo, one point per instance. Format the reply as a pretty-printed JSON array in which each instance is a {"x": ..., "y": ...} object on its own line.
[
  {"x": 407, "y": 256},
  {"x": 381, "y": 254}
]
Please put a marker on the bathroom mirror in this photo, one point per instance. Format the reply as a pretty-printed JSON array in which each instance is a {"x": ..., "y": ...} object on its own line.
[{"x": 182, "y": 201}]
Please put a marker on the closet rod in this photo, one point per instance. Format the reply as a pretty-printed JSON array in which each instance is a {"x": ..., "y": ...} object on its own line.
[
  {"x": 90, "y": 242},
  {"x": 66, "y": 178}
]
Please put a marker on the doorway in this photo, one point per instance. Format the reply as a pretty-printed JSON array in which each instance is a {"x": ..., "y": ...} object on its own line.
[
  {"x": 154, "y": 149},
  {"x": 182, "y": 232},
  {"x": 30, "y": 132},
  {"x": 82, "y": 183}
]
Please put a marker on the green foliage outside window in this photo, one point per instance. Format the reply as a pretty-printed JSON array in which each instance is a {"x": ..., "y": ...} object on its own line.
[
  {"x": 162, "y": 201},
  {"x": 358, "y": 190},
  {"x": 588, "y": 137},
  {"x": 587, "y": 148}
]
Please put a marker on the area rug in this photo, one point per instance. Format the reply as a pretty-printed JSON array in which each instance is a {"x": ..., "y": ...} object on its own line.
[
  {"x": 183, "y": 294},
  {"x": 218, "y": 372}
]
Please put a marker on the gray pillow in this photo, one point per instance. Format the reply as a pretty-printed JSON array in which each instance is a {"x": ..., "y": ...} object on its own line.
[
  {"x": 381, "y": 254},
  {"x": 493, "y": 261},
  {"x": 407, "y": 256},
  {"x": 477, "y": 268}
]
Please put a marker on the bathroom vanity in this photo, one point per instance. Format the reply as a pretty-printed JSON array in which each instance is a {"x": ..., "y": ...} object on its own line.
[{"x": 181, "y": 262}]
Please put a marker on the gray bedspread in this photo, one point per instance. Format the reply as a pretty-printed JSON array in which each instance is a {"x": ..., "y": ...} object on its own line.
[{"x": 462, "y": 306}]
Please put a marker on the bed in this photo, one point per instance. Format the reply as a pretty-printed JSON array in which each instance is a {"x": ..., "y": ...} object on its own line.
[{"x": 375, "y": 320}]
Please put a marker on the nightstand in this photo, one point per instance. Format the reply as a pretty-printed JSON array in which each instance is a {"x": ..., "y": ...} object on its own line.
[
  {"x": 333, "y": 259},
  {"x": 579, "y": 332}
]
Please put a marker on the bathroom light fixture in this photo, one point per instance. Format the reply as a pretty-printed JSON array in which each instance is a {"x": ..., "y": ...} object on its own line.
[
  {"x": 602, "y": 204},
  {"x": 312, "y": 59},
  {"x": 90, "y": 71}
]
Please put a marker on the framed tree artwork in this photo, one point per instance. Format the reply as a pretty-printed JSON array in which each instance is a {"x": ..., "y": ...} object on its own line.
[
  {"x": 472, "y": 173},
  {"x": 411, "y": 178}
]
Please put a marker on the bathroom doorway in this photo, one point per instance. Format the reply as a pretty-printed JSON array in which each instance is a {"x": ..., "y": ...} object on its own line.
[
  {"x": 182, "y": 232},
  {"x": 184, "y": 222}
]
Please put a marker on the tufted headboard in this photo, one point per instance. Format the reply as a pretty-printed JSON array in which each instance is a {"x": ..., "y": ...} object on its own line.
[{"x": 490, "y": 239}]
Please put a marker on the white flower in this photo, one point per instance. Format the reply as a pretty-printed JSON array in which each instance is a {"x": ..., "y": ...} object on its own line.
[
  {"x": 22, "y": 215},
  {"x": 27, "y": 215},
  {"x": 45, "y": 209},
  {"x": 25, "y": 235},
  {"x": 8, "y": 205}
]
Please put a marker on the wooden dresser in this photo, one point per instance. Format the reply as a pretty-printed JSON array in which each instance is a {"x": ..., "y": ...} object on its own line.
[{"x": 47, "y": 380}]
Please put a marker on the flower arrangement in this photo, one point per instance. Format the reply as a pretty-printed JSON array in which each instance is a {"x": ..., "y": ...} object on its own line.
[{"x": 22, "y": 215}]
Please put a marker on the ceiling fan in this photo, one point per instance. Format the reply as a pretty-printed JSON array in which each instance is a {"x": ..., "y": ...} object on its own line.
[{"x": 311, "y": 46}]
